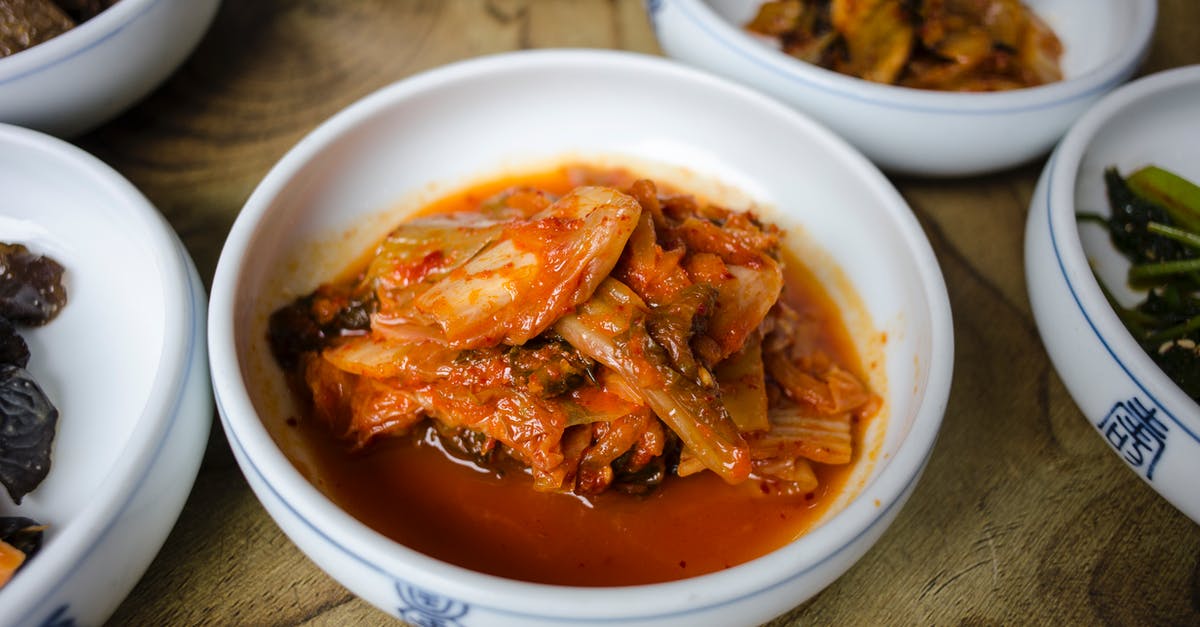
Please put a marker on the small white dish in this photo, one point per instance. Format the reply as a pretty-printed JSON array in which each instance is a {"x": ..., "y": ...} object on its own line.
[
  {"x": 124, "y": 362},
  {"x": 922, "y": 132},
  {"x": 344, "y": 185},
  {"x": 1147, "y": 420},
  {"x": 91, "y": 73}
]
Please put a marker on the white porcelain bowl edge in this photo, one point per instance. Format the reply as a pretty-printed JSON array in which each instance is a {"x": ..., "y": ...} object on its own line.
[
  {"x": 921, "y": 132},
  {"x": 1144, "y": 417},
  {"x": 86, "y": 76},
  {"x": 345, "y": 172},
  {"x": 132, "y": 431}
]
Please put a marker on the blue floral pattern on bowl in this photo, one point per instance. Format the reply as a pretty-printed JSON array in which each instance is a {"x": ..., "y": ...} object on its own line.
[
  {"x": 61, "y": 617},
  {"x": 426, "y": 609}
]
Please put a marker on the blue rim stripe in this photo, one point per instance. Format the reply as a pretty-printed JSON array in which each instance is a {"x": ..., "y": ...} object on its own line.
[
  {"x": 1067, "y": 279},
  {"x": 249, "y": 462},
  {"x": 738, "y": 50},
  {"x": 174, "y": 421},
  {"x": 106, "y": 37}
]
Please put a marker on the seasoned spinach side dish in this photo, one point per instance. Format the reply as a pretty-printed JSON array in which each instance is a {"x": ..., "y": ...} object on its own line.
[
  {"x": 31, "y": 294},
  {"x": 1155, "y": 223}
]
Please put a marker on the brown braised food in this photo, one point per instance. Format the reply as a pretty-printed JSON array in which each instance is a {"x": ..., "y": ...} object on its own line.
[
  {"x": 951, "y": 45},
  {"x": 26, "y": 23}
]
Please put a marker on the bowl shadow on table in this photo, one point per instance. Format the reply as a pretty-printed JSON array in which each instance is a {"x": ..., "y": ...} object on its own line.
[
  {"x": 198, "y": 145},
  {"x": 254, "y": 565}
]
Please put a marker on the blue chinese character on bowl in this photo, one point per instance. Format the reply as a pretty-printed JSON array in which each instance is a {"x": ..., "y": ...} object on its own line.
[{"x": 426, "y": 609}]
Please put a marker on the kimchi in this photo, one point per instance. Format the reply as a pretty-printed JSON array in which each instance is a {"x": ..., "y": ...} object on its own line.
[
  {"x": 611, "y": 337},
  {"x": 951, "y": 45}
]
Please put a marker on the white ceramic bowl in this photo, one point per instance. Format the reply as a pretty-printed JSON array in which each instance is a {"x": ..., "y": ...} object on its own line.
[
  {"x": 914, "y": 131},
  {"x": 353, "y": 177},
  {"x": 1148, "y": 421},
  {"x": 124, "y": 362},
  {"x": 93, "y": 72}
]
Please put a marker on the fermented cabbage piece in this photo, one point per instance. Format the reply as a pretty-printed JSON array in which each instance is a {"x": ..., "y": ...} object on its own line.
[
  {"x": 607, "y": 337},
  {"x": 535, "y": 271}
]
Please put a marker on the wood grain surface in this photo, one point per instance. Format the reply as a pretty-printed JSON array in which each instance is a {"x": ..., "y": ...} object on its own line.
[{"x": 1023, "y": 516}]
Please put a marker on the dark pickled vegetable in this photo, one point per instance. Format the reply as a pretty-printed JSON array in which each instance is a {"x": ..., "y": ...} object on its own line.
[
  {"x": 20, "y": 539},
  {"x": 84, "y": 10},
  {"x": 548, "y": 367},
  {"x": 630, "y": 479},
  {"x": 31, "y": 293},
  {"x": 23, "y": 534},
  {"x": 27, "y": 425},
  {"x": 309, "y": 322},
  {"x": 31, "y": 290},
  {"x": 292, "y": 331},
  {"x": 13, "y": 349}
]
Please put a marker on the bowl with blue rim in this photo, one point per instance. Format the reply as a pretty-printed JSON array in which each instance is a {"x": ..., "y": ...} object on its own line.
[
  {"x": 921, "y": 131},
  {"x": 1120, "y": 332}
]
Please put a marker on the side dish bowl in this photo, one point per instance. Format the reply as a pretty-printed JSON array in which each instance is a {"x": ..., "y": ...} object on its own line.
[
  {"x": 91, "y": 73},
  {"x": 922, "y": 132},
  {"x": 124, "y": 362},
  {"x": 1145, "y": 417},
  {"x": 342, "y": 187}
]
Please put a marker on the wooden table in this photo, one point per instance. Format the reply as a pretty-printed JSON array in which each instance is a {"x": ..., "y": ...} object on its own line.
[{"x": 1023, "y": 515}]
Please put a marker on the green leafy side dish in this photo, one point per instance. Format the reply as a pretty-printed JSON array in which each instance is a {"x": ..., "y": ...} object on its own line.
[{"x": 1155, "y": 223}]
